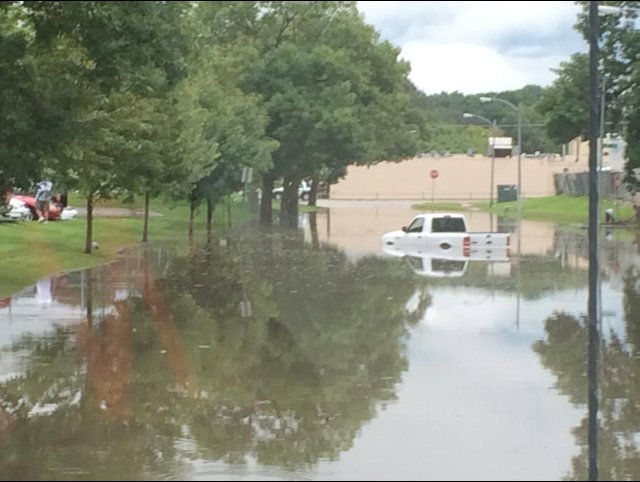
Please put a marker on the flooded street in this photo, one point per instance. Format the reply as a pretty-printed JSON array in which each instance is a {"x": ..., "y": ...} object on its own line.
[{"x": 317, "y": 355}]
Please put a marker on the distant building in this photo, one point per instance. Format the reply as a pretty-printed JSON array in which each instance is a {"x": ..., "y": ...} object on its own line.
[
  {"x": 502, "y": 145},
  {"x": 613, "y": 152}
]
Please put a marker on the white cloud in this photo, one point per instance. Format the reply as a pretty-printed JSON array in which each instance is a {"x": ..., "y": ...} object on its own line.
[
  {"x": 472, "y": 68},
  {"x": 478, "y": 46}
]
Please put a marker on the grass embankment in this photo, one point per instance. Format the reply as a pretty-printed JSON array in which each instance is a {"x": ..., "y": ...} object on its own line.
[
  {"x": 559, "y": 209},
  {"x": 439, "y": 206},
  {"x": 31, "y": 251}
]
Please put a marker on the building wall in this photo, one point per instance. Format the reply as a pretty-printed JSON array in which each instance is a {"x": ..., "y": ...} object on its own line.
[{"x": 461, "y": 177}]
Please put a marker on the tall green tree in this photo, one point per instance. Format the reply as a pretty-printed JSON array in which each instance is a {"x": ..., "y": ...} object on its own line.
[
  {"x": 118, "y": 62},
  {"x": 334, "y": 93},
  {"x": 565, "y": 103},
  {"x": 19, "y": 104},
  {"x": 620, "y": 51}
]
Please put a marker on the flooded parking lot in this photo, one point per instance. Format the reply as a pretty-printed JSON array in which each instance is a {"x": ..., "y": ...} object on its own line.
[{"x": 316, "y": 355}]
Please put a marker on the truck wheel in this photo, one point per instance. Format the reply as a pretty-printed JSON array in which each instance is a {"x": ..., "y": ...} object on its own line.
[
  {"x": 277, "y": 196},
  {"x": 305, "y": 196}
]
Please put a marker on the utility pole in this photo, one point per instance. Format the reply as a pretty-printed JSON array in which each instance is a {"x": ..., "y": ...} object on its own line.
[
  {"x": 493, "y": 162},
  {"x": 594, "y": 261}
]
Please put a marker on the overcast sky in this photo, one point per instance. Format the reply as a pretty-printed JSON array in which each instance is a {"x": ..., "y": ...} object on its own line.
[{"x": 476, "y": 47}]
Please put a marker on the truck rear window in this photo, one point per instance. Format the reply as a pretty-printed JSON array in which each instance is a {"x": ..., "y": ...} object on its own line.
[{"x": 448, "y": 225}]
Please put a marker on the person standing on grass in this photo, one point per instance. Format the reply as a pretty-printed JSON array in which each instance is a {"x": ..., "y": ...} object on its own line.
[{"x": 43, "y": 197}]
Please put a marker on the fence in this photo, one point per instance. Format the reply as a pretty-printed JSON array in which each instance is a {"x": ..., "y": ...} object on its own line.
[{"x": 577, "y": 184}]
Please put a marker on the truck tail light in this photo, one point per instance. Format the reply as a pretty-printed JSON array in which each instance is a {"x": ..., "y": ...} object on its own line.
[
  {"x": 466, "y": 252},
  {"x": 467, "y": 241}
]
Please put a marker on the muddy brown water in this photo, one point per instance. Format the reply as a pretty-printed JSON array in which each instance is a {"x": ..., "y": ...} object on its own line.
[{"x": 312, "y": 355}]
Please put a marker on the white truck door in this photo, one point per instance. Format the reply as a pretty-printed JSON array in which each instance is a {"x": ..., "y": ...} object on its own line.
[{"x": 414, "y": 237}]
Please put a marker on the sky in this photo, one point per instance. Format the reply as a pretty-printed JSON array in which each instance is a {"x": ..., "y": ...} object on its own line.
[{"x": 481, "y": 46}]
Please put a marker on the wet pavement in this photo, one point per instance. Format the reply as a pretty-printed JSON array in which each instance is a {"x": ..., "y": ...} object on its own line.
[{"x": 314, "y": 355}]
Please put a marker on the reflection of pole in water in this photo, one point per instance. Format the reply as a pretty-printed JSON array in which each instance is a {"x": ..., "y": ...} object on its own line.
[
  {"x": 245, "y": 304},
  {"x": 89, "y": 297},
  {"x": 594, "y": 262},
  {"x": 519, "y": 263}
]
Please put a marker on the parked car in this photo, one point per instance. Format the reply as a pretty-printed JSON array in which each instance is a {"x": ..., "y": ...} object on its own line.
[
  {"x": 303, "y": 191},
  {"x": 56, "y": 211},
  {"x": 18, "y": 210}
]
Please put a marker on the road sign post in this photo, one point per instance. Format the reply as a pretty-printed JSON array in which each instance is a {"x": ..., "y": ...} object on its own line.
[{"x": 434, "y": 175}]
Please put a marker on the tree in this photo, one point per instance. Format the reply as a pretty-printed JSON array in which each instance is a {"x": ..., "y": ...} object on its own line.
[
  {"x": 333, "y": 92},
  {"x": 18, "y": 103},
  {"x": 620, "y": 50},
  {"x": 441, "y": 125},
  {"x": 115, "y": 63},
  {"x": 565, "y": 103}
]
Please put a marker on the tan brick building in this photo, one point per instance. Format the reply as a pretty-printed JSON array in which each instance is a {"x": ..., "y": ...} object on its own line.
[{"x": 460, "y": 177}]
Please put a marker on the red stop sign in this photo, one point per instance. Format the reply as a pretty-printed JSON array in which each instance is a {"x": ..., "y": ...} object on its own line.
[{"x": 434, "y": 174}]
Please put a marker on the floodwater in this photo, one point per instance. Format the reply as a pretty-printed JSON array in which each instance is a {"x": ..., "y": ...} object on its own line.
[{"x": 313, "y": 355}]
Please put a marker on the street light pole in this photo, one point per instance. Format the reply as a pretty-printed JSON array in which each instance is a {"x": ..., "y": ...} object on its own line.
[
  {"x": 493, "y": 161},
  {"x": 518, "y": 109},
  {"x": 519, "y": 161},
  {"x": 493, "y": 149}
]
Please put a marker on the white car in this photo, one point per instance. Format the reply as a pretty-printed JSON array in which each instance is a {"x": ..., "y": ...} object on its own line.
[
  {"x": 303, "y": 191},
  {"x": 19, "y": 211}
]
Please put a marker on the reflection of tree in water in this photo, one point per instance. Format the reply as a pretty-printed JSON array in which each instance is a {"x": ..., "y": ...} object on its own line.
[
  {"x": 300, "y": 377},
  {"x": 564, "y": 352},
  {"x": 73, "y": 409},
  {"x": 290, "y": 384}
]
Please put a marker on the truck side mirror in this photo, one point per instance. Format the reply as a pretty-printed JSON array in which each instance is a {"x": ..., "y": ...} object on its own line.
[{"x": 404, "y": 228}]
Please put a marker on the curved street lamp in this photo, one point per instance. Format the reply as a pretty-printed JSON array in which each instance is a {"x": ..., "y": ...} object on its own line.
[
  {"x": 518, "y": 109},
  {"x": 466, "y": 115}
]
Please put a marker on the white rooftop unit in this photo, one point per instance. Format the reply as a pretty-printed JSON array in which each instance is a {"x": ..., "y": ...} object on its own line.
[
  {"x": 503, "y": 146},
  {"x": 501, "y": 142}
]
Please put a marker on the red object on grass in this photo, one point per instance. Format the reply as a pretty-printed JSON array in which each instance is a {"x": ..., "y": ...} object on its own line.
[{"x": 54, "y": 211}]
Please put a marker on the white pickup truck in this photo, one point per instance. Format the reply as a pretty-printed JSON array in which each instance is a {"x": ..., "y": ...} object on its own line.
[
  {"x": 439, "y": 245},
  {"x": 442, "y": 234}
]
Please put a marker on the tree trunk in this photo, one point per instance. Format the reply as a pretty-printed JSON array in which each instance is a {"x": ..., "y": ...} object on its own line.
[
  {"x": 145, "y": 229},
  {"x": 289, "y": 207},
  {"x": 229, "y": 210},
  {"x": 313, "y": 194},
  {"x": 89, "y": 240},
  {"x": 313, "y": 227},
  {"x": 266, "y": 211},
  {"x": 209, "y": 216},
  {"x": 252, "y": 198},
  {"x": 192, "y": 212}
]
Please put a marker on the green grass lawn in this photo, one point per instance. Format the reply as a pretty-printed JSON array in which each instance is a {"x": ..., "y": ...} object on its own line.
[
  {"x": 78, "y": 201},
  {"x": 561, "y": 209},
  {"x": 439, "y": 206},
  {"x": 31, "y": 251}
]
